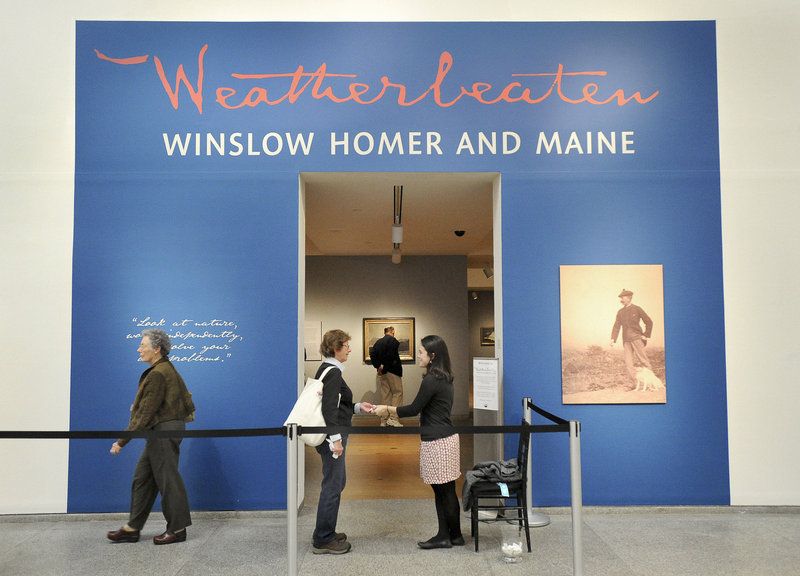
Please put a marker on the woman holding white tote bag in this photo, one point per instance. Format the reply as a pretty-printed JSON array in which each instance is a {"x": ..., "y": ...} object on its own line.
[{"x": 338, "y": 409}]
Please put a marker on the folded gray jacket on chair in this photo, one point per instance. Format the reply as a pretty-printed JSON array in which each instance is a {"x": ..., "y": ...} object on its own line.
[{"x": 492, "y": 471}]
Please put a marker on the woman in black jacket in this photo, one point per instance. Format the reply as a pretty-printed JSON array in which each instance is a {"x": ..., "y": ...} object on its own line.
[
  {"x": 439, "y": 453},
  {"x": 337, "y": 409}
]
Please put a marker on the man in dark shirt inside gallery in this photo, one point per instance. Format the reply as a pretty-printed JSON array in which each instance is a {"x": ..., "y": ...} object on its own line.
[{"x": 385, "y": 358}]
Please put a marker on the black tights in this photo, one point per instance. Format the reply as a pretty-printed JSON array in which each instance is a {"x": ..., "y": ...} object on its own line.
[{"x": 447, "y": 510}]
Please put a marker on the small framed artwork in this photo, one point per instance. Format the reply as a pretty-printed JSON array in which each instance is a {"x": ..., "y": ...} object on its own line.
[
  {"x": 487, "y": 335},
  {"x": 403, "y": 331}
]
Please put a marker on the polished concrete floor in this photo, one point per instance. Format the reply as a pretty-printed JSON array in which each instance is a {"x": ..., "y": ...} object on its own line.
[
  {"x": 616, "y": 542},
  {"x": 385, "y": 511}
]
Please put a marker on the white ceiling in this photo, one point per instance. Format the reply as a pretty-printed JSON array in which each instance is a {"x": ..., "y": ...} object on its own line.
[{"x": 351, "y": 214}]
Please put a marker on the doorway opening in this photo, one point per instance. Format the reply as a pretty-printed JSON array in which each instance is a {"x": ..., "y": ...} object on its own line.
[{"x": 352, "y": 267}]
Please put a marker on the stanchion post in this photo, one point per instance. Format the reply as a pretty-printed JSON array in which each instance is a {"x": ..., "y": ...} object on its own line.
[
  {"x": 535, "y": 519},
  {"x": 577, "y": 496},
  {"x": 291, "y": 498}
]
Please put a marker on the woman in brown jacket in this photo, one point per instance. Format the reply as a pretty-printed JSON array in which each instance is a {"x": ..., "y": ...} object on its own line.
[{"x": 162, "y": 403}]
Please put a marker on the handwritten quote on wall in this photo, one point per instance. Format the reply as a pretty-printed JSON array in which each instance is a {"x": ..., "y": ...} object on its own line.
[{"x": 212, "y": 340}]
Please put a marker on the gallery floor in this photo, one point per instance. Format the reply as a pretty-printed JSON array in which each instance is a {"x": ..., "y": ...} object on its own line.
[
  {"x": 382, "y": 466},
  {"x": 386, "y": 509}
]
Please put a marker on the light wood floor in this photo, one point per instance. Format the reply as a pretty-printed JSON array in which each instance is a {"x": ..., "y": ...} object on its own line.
[{"x": 381, "y": 466}]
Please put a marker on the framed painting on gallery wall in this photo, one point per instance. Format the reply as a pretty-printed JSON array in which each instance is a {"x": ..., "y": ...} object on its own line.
[
  {"x": 403, "y": 331},
  {"x": 487, "y": 335}
]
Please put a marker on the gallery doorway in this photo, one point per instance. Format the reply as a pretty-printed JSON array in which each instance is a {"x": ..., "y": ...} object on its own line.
[{"x": 449, "y": 251}]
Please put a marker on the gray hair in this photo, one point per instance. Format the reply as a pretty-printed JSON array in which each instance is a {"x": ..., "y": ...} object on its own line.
[{"x": 158, "y": 338}]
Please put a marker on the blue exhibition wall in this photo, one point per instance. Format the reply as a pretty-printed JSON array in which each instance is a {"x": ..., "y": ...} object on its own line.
[
  {"x": 189, "y": 141},
  {"x": 665, "y": 454}
]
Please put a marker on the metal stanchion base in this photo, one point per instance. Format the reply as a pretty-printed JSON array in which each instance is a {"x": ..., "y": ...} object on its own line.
[{"x": 537, "y": 520}]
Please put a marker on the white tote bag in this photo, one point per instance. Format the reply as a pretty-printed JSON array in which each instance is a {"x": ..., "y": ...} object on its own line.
[{"x": 307, "y": 410}]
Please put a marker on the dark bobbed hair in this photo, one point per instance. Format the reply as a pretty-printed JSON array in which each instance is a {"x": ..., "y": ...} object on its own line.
[
  {"x": 439, "y": 365},
  {"x": 332, "y": 341}
]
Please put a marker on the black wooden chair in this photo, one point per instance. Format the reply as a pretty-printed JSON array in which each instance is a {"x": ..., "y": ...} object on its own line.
[{"x": 485, "y": 490}]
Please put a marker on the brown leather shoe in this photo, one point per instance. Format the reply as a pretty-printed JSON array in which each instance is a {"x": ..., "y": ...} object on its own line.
[
  {"x": 123, "y": 535},
  {"x": 170, "y": 537}
]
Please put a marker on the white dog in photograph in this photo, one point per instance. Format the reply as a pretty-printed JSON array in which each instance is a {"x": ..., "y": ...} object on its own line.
[{"x": 646, "y": 379}]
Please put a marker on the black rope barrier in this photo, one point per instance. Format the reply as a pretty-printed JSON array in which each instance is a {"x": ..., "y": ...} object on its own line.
[
  {"x": 418, "y": 429},
  {"x": 282, "y": 431},
  {"x": 95, "y": 434},
  {"x": 559, "y": 425},
  {"x": 546, "y": 414}
]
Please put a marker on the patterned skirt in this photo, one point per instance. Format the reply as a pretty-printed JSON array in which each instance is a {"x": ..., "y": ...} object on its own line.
[{"x": 440, "y": 460}]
